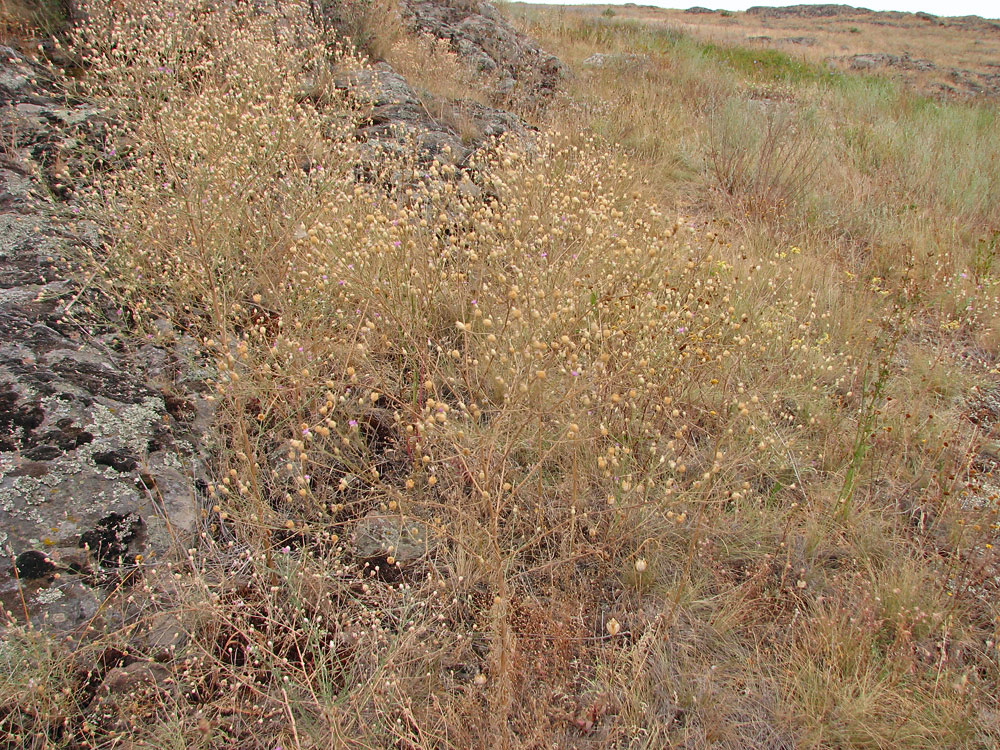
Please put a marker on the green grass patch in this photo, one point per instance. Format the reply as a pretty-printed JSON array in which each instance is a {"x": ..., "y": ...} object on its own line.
[{"x": 767, "y": 64}]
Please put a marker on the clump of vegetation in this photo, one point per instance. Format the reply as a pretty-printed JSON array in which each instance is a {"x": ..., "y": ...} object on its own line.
[
  {"x": 39, "y": 18},
  {"x": 570, "y": 447},
  {"x": 443, "y": 82},
  {"x": 764, "y": 157},
  {"x": 372, "y": 27}
]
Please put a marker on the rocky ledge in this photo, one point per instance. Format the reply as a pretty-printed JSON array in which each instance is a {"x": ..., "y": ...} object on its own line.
[
  {"x": 397, "y": 122},
  {"x": 99, "y": 457}
]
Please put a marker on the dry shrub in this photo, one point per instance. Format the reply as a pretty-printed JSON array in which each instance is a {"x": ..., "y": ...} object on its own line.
[
  {"x": 372, "y": 26},
  {"x": 764, "y": 156},
  {"x": 431, "y": 67},
  {"x": 500, "y": 372},
  {"x": 441, "y": 80},
  {"x": 35, "y": 18},
  {"x": 605, "y": 442}
]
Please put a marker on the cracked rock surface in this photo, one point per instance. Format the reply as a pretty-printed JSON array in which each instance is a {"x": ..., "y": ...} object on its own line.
[{"x": 95, "y": 470}]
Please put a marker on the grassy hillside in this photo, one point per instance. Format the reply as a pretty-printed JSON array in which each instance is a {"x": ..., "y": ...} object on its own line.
[
  {"x": 934, "y": 55},
  {"x": 680, "y": 422}
]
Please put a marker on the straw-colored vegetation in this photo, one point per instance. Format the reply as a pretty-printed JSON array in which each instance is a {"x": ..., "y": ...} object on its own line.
[
  {"x": 683, "y": 417},
  {"x": 968, "y": 44}
]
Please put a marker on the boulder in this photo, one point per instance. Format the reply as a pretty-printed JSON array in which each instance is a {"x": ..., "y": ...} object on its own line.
[
  {"x": 828, "y": 10},
  {"x": 392, "y": 539}
]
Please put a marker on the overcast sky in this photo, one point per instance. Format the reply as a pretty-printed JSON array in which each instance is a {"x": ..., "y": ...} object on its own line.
[{"x": 984, "y": 8}]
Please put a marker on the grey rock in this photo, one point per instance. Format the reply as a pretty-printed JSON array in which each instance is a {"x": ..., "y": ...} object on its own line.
[
  {"x": 58, "y": 602},
  {"x": 405, "y": 539},
  {"x": 523, "y": 74},
  {"x": 602, "y": 60},
  {"x": 882, "y": 60},
  {"x": 828, "y": 10},
  {"x": 164, "y": 636},
  {"x": 398, "y": 122},
  {"x": 804, "y": 41},
  {"x": 136, "y": 680},
  {"x": 94, "y": 468}
]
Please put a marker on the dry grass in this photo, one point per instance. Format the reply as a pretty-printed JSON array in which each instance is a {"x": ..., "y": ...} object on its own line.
[
  {"x": 429, "y": 65},
  {"x": 441, "y": 80},
  {"x": 23, "y": 19},
  {"x": 652, "y": 480},
  {"x": 371, "y": 27},
  {"x": 948, "y": 42}
]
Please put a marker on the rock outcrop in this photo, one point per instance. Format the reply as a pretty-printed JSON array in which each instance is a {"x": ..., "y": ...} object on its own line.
[
  {"x": 398, "y": 121},
  {"x": 828, "y": 10},
  {"x": 883, "y": 60},
  {"x": 98, "y": 468},
  {"x": 600, "y": 60},
  {"x": 961, "y": 82},
  {"x": 521, "y": 72}
]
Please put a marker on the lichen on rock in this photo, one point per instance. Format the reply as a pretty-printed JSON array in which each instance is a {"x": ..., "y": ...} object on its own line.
[{"x": 85, "y": 442}]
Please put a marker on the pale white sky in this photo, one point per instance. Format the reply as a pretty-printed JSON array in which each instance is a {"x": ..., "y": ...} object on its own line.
[{"x": 984, "y": 8}]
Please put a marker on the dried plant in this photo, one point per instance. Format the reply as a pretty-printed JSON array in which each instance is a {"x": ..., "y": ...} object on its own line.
[{"x": 514, "y": 455}]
